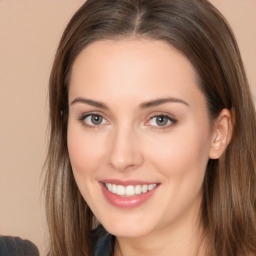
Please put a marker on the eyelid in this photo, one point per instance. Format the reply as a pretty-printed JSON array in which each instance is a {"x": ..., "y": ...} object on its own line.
[
  {"x": 85, "y": 115},
  {"x": 154, "y": 115},
  {"x": 172, "y": 119}
]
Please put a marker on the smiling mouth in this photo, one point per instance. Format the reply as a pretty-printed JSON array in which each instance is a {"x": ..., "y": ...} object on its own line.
[{"x": 130, "y": 190}]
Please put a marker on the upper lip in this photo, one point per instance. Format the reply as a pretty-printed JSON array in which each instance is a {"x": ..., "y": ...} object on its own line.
[{"x": 128, "y": 182}]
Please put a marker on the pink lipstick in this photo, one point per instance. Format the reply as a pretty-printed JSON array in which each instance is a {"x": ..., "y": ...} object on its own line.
[{"x": 128, "y": 194}]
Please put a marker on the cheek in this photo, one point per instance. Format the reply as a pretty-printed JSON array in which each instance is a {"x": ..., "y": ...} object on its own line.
[
  {"x": 84, "y": 151},
  {"x": 182, "y": 156}
]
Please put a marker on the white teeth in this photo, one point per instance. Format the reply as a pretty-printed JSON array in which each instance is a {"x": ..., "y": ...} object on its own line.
[
  {"x": 129, "y": 190},
  {"x": 151, "y": 186},
  {"x": 120, "y": 190},
  {"x": 138, "y": 189},
  {"x": 113, "y": 188},
  {"x": 144, "y": 188}
]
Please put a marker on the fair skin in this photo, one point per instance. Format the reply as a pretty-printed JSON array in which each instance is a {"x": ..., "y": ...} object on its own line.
[{"x": 138, "y": 117}]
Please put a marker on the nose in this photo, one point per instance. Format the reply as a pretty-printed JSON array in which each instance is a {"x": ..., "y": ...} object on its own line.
[{"x": 124, "y": 150}]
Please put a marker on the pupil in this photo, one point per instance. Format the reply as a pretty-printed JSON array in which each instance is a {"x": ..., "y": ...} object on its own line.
[
  {"x": 96, "y": 119},
  {"x": 161, "y": 120}
]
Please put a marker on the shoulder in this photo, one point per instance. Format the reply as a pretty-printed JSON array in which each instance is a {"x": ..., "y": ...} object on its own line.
[
  {"x": 12, "y": 246},
  {"x": 102, "y": 241}
]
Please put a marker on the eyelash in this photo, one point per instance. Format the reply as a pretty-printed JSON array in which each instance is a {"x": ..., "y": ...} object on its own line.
[
  {"x": 83, "y": 117},
  {"x": 171, "y": 120}
]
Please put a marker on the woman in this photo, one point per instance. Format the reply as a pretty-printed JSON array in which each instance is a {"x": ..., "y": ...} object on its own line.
[{"x": 152, "y": 134}]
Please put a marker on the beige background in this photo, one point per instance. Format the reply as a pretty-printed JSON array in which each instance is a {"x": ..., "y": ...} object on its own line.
[{"x": 29, "y": 34}]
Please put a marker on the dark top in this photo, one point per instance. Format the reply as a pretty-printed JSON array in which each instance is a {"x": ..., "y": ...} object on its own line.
[
  {"x": 14, "y": 246},
  {"x": 103, "y": 242}
]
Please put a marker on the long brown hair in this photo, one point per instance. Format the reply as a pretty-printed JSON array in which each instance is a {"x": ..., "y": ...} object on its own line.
[{"x": 200, "y": 32}]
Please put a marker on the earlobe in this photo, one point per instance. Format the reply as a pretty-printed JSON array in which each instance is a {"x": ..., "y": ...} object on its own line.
[{"x": 222, "y": 134}]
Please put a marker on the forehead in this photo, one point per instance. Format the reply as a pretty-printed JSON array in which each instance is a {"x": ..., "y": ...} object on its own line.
[
  {"x": 132, "y": 67},
  {"x": 131, "y": 54}
]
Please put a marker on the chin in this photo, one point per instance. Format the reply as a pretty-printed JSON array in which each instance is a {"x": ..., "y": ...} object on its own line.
[
  {"x": 127, "y": 228},
  {"x": 128, "y": 233}
]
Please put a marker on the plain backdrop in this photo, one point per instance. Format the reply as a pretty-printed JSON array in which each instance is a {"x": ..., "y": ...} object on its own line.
[{"x": 29, "y": 35}]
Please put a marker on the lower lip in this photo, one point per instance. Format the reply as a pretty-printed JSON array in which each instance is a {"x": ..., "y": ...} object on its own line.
[{"x": 127, "y": 201}]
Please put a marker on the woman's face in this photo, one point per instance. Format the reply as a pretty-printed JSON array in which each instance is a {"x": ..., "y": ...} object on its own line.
[{"x": 139, "y": 135}]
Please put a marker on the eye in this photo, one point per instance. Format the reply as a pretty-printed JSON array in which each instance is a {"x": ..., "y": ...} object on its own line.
[
  {"x": 161, "y": 121},
  {"x": 93, "y": 120}
]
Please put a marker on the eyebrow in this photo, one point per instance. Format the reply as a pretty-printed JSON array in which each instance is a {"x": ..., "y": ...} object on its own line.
[
  {"x": 144, "y": 105},
  {"x": 93, "y": 103},
  {"x": 158, "y": 102}
]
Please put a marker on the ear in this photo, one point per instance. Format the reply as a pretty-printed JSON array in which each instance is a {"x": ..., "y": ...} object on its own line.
[{"x": 222, "y": 134}]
